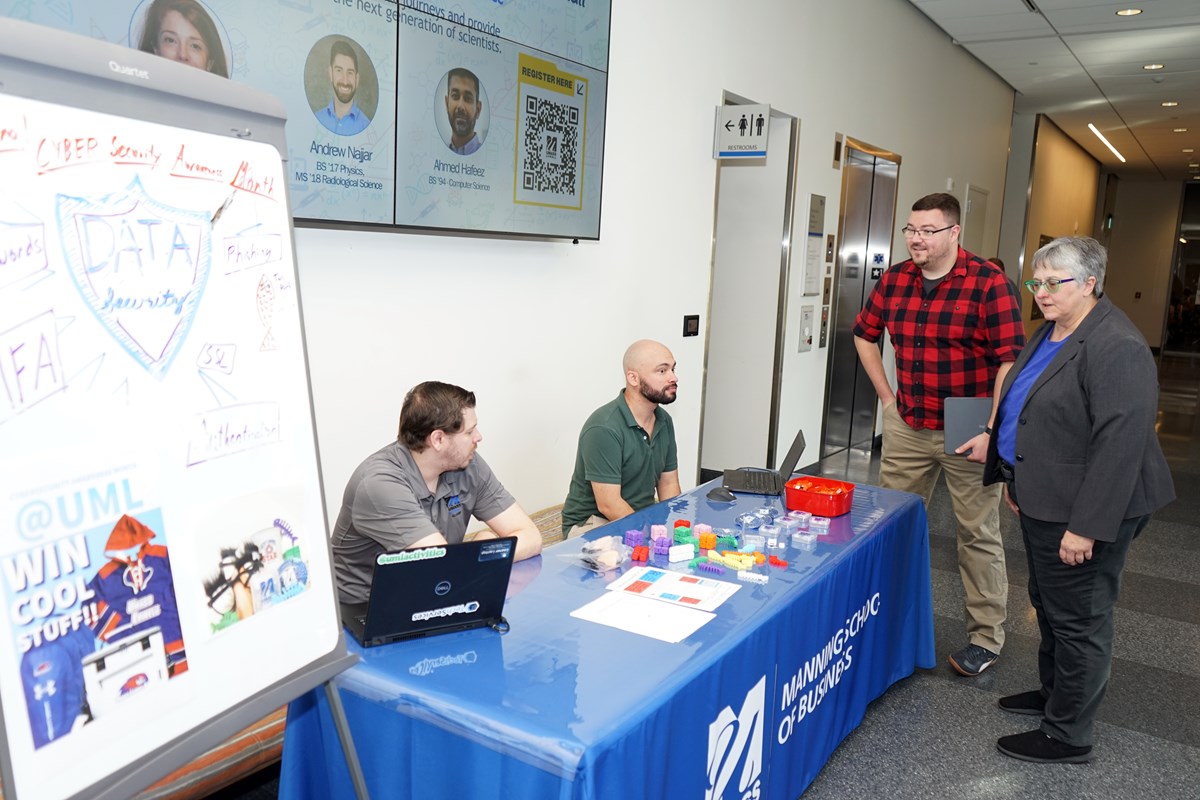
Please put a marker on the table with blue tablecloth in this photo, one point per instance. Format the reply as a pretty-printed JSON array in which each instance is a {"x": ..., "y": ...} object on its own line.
[{"x": 749, "y": 706}]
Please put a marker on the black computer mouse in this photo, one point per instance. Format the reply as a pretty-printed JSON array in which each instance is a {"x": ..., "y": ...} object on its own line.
[{"x": 721, "y": 495}]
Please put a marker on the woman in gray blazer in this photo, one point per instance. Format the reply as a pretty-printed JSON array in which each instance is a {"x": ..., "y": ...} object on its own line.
[{"x": 1075, "y": 445}]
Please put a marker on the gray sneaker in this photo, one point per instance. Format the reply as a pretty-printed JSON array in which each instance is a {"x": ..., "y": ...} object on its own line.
[{"x": 972, "y": 660}]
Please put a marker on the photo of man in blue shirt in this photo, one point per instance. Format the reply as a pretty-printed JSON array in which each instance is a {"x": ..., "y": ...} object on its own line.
[
  {"x": 343, "y": 116},
  {"x": 463, "y": 106}
]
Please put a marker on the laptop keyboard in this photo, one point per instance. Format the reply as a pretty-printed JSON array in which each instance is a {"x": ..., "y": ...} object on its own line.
[{"x": 761, "y": 482}]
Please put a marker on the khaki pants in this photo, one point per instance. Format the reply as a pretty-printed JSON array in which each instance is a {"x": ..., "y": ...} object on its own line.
[
  {"x": 912, "y": 461},
  {"x": 593, "y": 522}
]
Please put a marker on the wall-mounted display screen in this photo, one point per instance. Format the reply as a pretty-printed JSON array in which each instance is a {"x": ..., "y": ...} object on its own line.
[{"x": 478, "y": 115}]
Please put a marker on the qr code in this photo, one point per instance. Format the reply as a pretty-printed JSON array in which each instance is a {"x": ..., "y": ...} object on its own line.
[{"x": 551, "y": 138}]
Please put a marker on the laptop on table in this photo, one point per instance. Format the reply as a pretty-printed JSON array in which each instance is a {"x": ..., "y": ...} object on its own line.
[
  {"x": 752, "y": 480},
  {"x": 431, "y": 590}
]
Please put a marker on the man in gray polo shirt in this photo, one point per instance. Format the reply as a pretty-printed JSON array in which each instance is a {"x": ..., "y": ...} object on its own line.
[
  {"x": 423, "y": 490},
  {"x": 627, "y": 449}
]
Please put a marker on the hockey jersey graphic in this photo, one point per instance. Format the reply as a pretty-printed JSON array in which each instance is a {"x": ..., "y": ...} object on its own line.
[{"x": 135, "y": 591}]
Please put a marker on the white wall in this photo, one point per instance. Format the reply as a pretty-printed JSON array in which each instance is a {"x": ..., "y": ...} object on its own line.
[{"x": 537, "y": 329}]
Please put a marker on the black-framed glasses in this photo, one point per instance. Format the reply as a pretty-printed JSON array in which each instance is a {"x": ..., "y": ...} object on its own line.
[
  {"x": 1051, "y": 284},
  {"x": 910, "y": 232}
]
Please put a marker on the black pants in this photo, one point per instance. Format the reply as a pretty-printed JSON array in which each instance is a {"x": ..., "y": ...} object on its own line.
[{"x": 1074, "y": 607}]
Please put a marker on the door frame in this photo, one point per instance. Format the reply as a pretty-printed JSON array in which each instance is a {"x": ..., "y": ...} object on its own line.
[
  {"x": 895, "y": 158},
  {"x": 785, "y": 260}
]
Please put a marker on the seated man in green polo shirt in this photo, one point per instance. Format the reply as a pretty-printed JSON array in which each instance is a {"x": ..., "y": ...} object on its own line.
[{"x": 627, "y": 446}]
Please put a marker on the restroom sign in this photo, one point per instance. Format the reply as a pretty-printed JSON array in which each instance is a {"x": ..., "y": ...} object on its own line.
[{"x": 741, "y": 131}]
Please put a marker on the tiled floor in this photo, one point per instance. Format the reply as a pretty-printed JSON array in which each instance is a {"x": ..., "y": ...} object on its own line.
[{"x": 933, "y": 735}]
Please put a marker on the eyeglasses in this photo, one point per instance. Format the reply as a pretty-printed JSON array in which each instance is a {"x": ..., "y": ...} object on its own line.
[
  {"x": 910, "y": 232},
  {"x": 1051, "y": 284}
]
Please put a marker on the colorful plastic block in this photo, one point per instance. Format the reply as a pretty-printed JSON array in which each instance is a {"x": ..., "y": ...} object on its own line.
[{"x": 681, "y": 552}]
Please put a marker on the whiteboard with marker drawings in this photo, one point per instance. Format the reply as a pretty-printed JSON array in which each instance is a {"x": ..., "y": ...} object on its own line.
[{"x": 164, "y": 567}]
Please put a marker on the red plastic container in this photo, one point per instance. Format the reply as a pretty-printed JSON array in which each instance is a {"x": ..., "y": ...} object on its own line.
[{"x": 823, "y": 497}]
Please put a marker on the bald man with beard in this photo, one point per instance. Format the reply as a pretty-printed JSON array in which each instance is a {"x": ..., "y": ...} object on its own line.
[{"x": 627, "y": 452}]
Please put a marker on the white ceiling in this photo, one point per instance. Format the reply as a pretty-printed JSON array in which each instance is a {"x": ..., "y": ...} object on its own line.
[{"x": 1077, "y": 62}]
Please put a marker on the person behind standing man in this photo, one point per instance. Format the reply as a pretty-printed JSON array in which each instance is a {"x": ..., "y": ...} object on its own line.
[
  {"x": 627, "y": 446},
  {"x": 1077, "y": 453},
  {"x": 955, "y": 323}
]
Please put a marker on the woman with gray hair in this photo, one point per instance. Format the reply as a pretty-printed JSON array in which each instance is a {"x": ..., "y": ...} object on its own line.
[{"x": 1075, "y": 445}]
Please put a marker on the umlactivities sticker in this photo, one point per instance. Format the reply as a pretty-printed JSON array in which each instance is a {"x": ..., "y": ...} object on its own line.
[{"x": 403, "y": 556}]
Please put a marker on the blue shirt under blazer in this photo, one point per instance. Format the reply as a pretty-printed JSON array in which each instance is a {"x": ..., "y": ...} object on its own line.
[{"x": 1086, "y": 450}]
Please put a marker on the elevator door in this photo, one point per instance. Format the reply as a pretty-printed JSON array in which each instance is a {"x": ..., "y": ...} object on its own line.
[{"x": 867, "y": 219}]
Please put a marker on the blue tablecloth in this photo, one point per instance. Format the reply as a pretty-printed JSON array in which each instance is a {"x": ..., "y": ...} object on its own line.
[{"x": 750, "y": 706}]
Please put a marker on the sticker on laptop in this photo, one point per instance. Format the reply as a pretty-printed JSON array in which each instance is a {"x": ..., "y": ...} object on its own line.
[
  {"x": 494, "y": 551},
  {"x": 447, "y": 611},
  {"x": 404, "y": 556}
]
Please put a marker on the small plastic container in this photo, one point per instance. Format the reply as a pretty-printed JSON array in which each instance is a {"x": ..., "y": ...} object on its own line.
[
  {"x": 819, "y": 496},
  {"x": 768, "y": 513},
  {"x": 804, "y": 540},
  {"x": 787, "y": 526},
  {"x": 754, "y": 542},
  {"x": 802, "y": 518},
  {"x": 771, "y": 534},
  {"x": 819, "y": 526},
  {"x": 748, "y": 522}
]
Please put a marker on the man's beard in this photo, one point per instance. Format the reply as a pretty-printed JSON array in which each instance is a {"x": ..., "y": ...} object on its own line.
[
  {"x": 462, "y": 125},
  {"x": 659, "y": 397}
]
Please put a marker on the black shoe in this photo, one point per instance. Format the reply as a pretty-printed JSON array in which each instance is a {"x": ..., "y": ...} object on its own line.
[
  {"x": 1024, "y": 703},
  {"x": 972, "y": 660},
  {"x": 1038, "y": 747}
]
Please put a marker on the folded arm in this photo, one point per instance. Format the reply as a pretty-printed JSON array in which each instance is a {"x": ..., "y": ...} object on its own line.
[{"x": 611, "y": 504}]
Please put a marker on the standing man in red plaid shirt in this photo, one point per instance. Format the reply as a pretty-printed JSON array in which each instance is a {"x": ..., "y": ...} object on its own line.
[{"x": 955, "y": 323}]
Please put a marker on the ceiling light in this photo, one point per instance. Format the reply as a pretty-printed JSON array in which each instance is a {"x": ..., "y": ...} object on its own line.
[
  {"x": 1129, "y": 12},
  {"x": 1193, "y": 165},
  {"x": 1189, "y": 149},
  {"x": 1182, "y": 240},
  {"x": 1107, "y": 143},
  {"x": 1170, "y": 104},
  {"x": 1180, "y": 130},
  {"x": 1153, "y": 66}
]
